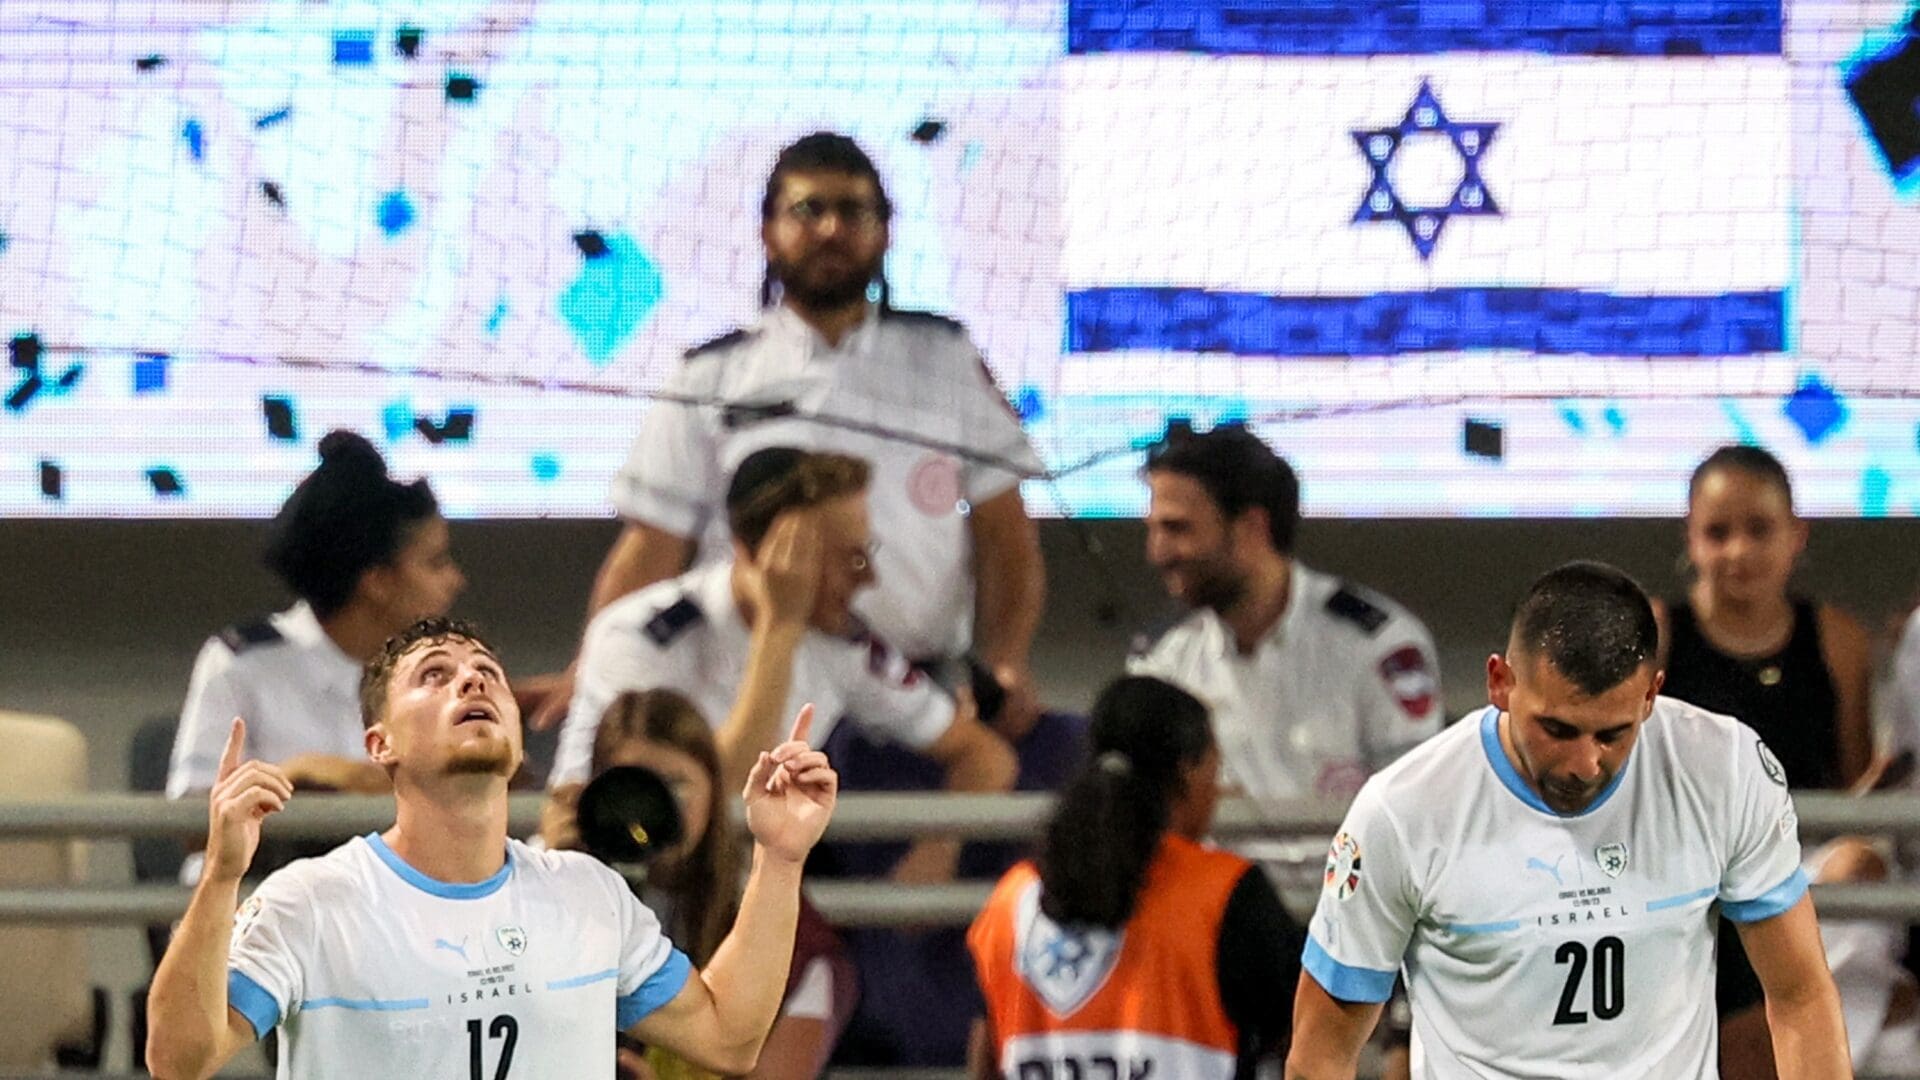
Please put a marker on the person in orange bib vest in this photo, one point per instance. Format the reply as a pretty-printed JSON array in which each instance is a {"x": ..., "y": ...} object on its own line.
[{"x": 1128, "y": 948}]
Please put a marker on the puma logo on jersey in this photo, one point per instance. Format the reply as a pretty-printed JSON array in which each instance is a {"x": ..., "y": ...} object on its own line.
[
  {"x": 1551, "y": 871},
  {"x": 459, "y": 950}
]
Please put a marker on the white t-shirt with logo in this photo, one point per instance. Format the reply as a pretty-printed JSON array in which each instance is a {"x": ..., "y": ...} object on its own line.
[
  {"x": 778, "y": 383},
  {"x": 1578, "y": 947},
  {"x": 371, "y": 968},
  {"x": 686, "y": 634}
]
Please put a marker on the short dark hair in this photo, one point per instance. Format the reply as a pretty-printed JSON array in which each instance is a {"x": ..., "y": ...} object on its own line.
[
  {"x": 379, "y": 670},
  {"x": 1751, "y": 460},
  {"x": 772, "y": 481},
  {"x": 823, "y": 151},
  {"x": 1238, "y": 471},
  {"x": 1589, "y": 620},
  {"x": 344, "y": 519}
]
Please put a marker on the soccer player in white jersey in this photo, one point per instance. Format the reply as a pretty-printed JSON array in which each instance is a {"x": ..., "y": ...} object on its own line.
[
  {"x": 440, "y": 948},
  {"x": 1548, "y": 873}
]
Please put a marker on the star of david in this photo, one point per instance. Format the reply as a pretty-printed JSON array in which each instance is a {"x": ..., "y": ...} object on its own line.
[
  {"x": 1065, "y": 954},
  {"x": 1423, "y": 223}
]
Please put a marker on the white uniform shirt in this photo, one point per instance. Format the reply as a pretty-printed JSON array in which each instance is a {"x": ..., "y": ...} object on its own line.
[
  {"x": 687, "y": 634},
  {"x": 1537, "y": 945},
  {"x": 371, "y": 968},
  {"x": 908, "y": 373},
  {"x": 297, "y": 691},
  {"x": 1343, "y": 684}
]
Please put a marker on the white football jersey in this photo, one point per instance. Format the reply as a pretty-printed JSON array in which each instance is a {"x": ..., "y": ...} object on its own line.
[
  {"x": 1545, "y": 946},
  {"x": 371, "y": 968}
]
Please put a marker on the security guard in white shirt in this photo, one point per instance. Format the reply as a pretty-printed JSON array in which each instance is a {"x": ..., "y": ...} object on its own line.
[
  {"x": 367, "y": 556},
  {"x": 1315, "y": 684},
  {"x": 828, "y": 368},
  {"x": 752, "y": 639}
]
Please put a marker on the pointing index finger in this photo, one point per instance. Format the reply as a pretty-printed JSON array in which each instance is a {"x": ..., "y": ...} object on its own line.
[
  {"x": 230, "y": 757},
  {"x": 802, "y": 724}
]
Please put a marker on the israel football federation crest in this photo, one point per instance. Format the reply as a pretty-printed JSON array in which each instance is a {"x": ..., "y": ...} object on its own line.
[
  {"x": 512, "y": 938},
  {"x": 1612, "y": 859},
  {"x": 1065, "y": 966}
]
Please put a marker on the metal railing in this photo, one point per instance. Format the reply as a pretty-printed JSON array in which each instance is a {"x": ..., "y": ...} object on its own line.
[{"x": 859, "y": 817}]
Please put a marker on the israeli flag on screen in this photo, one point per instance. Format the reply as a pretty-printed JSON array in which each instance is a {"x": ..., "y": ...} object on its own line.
[{"x": 1380, "y": 177}]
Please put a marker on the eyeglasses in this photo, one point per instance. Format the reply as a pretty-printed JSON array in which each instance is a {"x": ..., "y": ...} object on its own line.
[{"x": 853, "y": 213}]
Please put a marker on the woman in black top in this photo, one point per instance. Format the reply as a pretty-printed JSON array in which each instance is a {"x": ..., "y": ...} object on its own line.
[{"x": 1795, "y": 670}]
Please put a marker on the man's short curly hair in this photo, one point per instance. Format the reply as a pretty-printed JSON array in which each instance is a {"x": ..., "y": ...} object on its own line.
[{"x": 379, "y": 671}]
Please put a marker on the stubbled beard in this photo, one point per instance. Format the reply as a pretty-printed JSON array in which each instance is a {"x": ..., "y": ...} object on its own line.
[
  {"x": 493, "y": 757},
  {"x": 1211, "y": 589},
  {"x": 838, "y": 292}
]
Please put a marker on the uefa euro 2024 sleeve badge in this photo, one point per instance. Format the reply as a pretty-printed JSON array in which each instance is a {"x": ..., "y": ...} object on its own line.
[{"x": 1343, "y": 866}]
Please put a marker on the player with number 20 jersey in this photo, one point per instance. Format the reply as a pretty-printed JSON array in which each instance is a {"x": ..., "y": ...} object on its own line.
[{"x": 1548, "y": 873}]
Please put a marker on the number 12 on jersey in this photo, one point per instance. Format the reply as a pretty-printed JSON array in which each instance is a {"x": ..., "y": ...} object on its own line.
[
  {"x": 1608, "y": 997},
  {"x": 504, "y": 1028}
]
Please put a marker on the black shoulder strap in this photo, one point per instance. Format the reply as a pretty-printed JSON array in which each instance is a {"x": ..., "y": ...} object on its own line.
[
  {"x": 252, "y": 634},
  {"x": 720, "y": 344},
  {"x": 1347, "y": 603},
  {"x": 673, "y": 620}
]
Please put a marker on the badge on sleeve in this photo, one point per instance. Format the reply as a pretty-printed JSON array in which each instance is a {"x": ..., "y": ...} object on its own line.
[
  {"x": 1409, "y": 680},
  {"x": 1770, "y": 764},
  {"x": 1343, "y": 866},
  {"x": 244, "y": 919}
]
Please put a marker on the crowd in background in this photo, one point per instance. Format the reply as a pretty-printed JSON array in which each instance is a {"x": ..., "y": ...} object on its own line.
[{"x": 783, "y": 543}]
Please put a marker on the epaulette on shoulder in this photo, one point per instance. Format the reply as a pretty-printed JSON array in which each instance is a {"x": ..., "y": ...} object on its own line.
[
  {"x": 673, "y": 620},
  {"x": 720, "y": 344},
  {"x": 925, "y": 319},
  {"x": 252, "y": 634},
  {"x": 1347, "y": 603}
]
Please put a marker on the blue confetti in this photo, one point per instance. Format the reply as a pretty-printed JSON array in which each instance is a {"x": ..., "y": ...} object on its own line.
[
  {"x": 1615, "y": 419},
  {"x": 1743, "y": 432},
  {"x": 611, "y": 297},
  {"x": 353, "y": 48},
  {"x": 68, "y": 381},
  {"x": 546, "y": 468},
  {"x": 196, "y": 137},
  {"x": 1029, "y": 405},
  {"x": 461, "y": 87},
  {"x": 395, "y": 213},
  {"x": 396, "y": 419},
  {"x": 166, "y": 481},
  {"x": 1570, "y": 416},
  {"x": 276, "y": 116},
  {"x": 150, "y": 374},
  {"x": 4, "y": 241},
  {"x": 1815, "y": 409},
  {"x": 498, "y": 317},
  {"x": 1876, "y": 486}
]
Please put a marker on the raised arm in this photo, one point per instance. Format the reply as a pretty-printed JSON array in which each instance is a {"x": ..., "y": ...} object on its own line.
[
  {"x": 778, "y": 585},
  {"x": 720, "y": 1019},
  {"x": 193, "y": 1029}
]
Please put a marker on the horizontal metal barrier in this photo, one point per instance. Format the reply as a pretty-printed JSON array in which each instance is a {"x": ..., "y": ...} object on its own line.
[{"x": 860, "y": 816}]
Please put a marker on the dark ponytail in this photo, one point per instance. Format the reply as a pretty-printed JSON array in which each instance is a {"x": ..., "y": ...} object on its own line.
[{"x": 1111, "y": 815}]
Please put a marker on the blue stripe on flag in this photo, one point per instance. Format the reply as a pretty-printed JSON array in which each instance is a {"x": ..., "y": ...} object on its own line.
[
  {"x": 1536, "y": 320},
  {"x": 1422, "y": 27}
]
